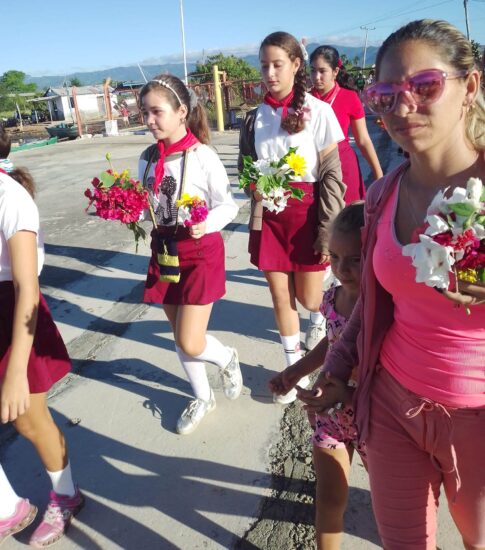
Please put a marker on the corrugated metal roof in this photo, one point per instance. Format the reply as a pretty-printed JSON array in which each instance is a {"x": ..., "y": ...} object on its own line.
[{"x": 80, "y": 90}]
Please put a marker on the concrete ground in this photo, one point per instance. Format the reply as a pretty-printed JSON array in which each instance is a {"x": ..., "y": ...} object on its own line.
[{"x": 243, "y": 479}]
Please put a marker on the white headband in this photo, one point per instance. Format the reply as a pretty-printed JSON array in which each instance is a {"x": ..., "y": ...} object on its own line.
[{"x": 167, "y": 85}]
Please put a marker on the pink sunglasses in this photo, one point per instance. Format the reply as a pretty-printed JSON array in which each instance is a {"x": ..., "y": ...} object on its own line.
[{"x": 424, "y": 87}]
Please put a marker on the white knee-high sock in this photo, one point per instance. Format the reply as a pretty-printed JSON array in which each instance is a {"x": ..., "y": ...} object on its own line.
[
  {"x": 8, "y": 497},
  {"x": 197, "y": 375},
  {"x": 316, "y": 318},
  {"x": 215, "y": 352},
  {"x": 291, "y": 346},
  {"x": 62, "y": 482}
]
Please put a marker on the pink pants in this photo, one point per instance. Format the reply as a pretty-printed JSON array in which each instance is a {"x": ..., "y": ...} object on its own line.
[{"x": 414, "y": 446}]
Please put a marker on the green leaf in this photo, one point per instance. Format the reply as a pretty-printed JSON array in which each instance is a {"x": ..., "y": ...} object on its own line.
[
  {"x": 482, "y": 198},
  {"x": 481, "y": 274},
  {"x": 107, "y": 180},
  {"x": 481, "y": 220},
  {"x": 297, "y": 193},
  {"x": 461, "y": 209}
]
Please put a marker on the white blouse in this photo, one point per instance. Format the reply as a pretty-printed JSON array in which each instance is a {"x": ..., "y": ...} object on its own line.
[
  {"x": 321, "y": 130},
  {"x": 18, "y": 212},
  {"x": 206, "y": 177}
]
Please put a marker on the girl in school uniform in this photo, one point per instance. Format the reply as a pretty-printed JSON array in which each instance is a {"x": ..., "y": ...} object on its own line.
[
  {"x": 180, "y": 159},
  {"x": 32, "y": 358},
  {"x": 328, "y": 86},
  {"x": 291, "y": 247}
]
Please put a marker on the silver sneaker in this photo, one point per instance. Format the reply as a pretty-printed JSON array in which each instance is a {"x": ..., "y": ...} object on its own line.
[
  {"x": 231, "y": 377},
  {"x": 314, "y": 334},
  {"x": 194, "y": 413},
  {"x": 289, "y": 397}
]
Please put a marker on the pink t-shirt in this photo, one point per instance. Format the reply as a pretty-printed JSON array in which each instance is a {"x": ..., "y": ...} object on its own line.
[
  {"x": 432, "y": 348},
  {"x": 347, "y": 107}
]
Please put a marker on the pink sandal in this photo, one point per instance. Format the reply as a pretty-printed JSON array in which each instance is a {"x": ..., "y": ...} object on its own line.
[{"x": 23, "y": 516}]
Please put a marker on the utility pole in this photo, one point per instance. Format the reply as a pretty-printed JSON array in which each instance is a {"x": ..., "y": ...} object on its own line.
[
  {"x": 367, "y": 29},
  {"x": 466, "y": 19},
  {"x": 186, "y": 80}
]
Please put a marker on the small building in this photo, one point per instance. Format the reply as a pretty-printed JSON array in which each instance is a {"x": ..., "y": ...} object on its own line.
[{"x": 90, "y": 101}]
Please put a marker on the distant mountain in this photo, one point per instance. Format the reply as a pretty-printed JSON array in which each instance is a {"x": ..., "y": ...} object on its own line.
[
  {"x": 132, "y": 73},
  {"x": 123, "y": 74}
]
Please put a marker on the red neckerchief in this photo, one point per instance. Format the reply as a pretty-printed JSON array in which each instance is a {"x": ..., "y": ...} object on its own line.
[
  {"x": 275, "y": 103},
  {"x": 185, "y": 143},
  {"x": 329, "y": 97}
]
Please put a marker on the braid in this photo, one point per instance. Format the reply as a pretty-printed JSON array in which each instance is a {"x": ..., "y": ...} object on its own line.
[{"x": 294, "y": 123}]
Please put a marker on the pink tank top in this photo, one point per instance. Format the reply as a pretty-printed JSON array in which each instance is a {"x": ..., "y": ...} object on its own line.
[{"x": 433, "y": 348}]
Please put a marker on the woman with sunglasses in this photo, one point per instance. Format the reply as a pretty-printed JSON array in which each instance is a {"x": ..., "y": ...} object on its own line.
[
  {"x": 328, "y": 80},
  {"x": 420, "y": 404}
]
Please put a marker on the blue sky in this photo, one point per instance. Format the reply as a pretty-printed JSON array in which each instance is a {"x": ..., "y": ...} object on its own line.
[{"x": 63, "y": 37}]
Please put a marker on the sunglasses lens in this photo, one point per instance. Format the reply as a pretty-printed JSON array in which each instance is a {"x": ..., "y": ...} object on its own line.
[
  {"x": 380, "y": 98},
  {"x": 426, "y": 87}
]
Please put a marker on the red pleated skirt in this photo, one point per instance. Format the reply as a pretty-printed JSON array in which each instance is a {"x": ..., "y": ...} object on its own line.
[
  {"x": 285, "y": 242},
  {"x": 202, "y": 272},
  {"x": 351, "y": 174},
  {"x": 49, "y": 360}
]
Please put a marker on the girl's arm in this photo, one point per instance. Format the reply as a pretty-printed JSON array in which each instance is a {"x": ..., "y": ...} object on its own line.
[
  {"x": 365, "y": 145},
  {"x": 22, "y": 247},
  {"x": 282, "y": 383}
]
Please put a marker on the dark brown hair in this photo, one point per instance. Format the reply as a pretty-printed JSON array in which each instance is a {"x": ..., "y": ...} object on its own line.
[
  {"x": 331, "y": 56},
  {"x": 21, "y": 175},
  {"x": 196, "y": 115},
  {"x": 293, "y": 122},
  {"x": 350, "y": 219}
]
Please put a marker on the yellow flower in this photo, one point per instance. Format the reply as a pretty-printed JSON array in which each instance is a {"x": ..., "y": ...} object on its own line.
[
  {"x": 297, "y": 163},
  {"x": 125, "y": 174},
  {"x": 468, "y": 275},
  {"x": 185, "y": 200}
]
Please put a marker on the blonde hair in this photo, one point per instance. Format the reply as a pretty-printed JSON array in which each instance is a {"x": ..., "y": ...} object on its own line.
[{"x": 457, "y": 52}]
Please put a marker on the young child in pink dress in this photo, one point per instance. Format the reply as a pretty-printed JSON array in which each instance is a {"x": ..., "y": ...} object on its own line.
[{"x": 335, "y": 436}]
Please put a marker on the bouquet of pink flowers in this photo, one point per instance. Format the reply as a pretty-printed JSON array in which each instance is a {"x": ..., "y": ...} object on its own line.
[
  {"x": 453, "y": 241},
  {"x": 117, "y": 196},
  {"x": 194, "y": 208}
]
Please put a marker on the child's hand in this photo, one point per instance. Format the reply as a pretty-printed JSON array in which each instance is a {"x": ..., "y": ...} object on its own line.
[
  {"x": 325, "y": 394},
  {"x": 285, "y": 381},
  {"x": 14, "y": 397},
  {"x": 198, "y": 230}
]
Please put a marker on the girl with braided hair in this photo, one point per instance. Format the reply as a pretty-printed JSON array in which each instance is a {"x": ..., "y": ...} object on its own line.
[{"x": 291, "y": 247}]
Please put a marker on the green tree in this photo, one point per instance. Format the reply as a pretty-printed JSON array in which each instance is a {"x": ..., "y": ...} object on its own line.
[
  {"x": 477, "y": 52},
  {"x": 236, "y": 68},
  {"x": 76, "y": 82},
  {"x": 13, "y": 83}
]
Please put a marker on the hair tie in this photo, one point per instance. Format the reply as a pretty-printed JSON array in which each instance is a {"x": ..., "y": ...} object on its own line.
[
  {"x": 339, "y": 63},
  {"x": 193, "y": 99}
]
